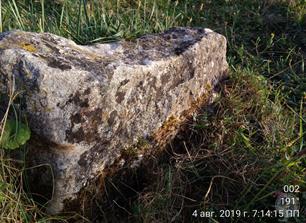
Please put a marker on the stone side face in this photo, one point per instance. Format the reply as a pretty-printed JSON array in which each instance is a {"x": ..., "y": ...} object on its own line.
[{"x": 87, "y": 105}]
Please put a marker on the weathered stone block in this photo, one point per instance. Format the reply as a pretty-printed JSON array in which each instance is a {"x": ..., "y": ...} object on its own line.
[{"x": 89, "y": 105}]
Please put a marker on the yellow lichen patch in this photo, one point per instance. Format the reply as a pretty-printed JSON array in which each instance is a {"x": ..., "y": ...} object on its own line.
[
  {"x": 208, "y": 86},
  {"x": 28, "y": 47},
  {"x": 167, "y": 129},
  {"x": 169, "y": 123},
  {"x": 165, "y": 133}
]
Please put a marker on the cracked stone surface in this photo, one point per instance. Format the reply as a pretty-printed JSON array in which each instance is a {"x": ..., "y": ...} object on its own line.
[{"x": 89, "y": 105}]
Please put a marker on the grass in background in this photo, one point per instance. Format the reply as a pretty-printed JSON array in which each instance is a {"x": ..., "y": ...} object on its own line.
[
  {"x": 91, "y": 21},
  {"x": 235, "y": 153},
  {"x": 267, "y": 37}
]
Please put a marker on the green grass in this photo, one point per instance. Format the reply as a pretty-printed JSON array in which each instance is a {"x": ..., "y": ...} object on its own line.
[
  {"x": 237, "y": 152},
  {"x": 93, "y": 21}
]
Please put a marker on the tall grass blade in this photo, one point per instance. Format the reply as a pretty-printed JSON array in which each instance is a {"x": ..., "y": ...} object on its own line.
[
  {"x": 42, "y": 25},
  {"x": 15, "y": 11},
  {"x": 1, "y": 22}
]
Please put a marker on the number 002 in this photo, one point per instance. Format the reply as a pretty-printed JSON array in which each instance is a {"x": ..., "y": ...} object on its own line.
[{"x": 291, "y": 188}]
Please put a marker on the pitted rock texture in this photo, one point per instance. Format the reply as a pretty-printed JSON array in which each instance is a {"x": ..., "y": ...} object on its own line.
[{"x": 89, "y": 105}]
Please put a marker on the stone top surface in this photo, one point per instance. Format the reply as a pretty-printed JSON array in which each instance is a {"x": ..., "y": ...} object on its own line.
[{"x": 66, "y": 53}]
